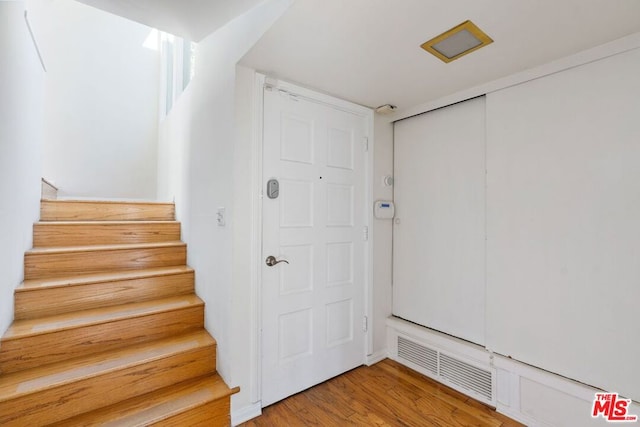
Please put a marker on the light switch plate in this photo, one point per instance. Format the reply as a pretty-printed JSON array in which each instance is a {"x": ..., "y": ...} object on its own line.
[{"x": 221, "y": 217}]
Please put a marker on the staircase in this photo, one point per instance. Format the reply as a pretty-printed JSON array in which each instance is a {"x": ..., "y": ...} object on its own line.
[{"x": 107, "y": 329}]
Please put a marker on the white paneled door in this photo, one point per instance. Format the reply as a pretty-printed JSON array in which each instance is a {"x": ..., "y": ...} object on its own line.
[{"x": 313, "y": 304}]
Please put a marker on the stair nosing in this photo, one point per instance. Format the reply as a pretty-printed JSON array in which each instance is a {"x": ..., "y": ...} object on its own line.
[
  {"x": 134, "y": 350},
  {"x": 123, "y": 202},
  {"x": 197, "y": 302},
  {"x": 187, "y": 407},
  {"x": 166, "y": 395},
  {"x": 105, "y": 222},
  {"x": 105, "y": 248},
  {"x": 117, "y": 276},
  {"x": 165, "y": 415}
]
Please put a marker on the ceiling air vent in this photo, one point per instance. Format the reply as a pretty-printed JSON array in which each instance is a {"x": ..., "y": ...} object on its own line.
[{"x": 457, "y": 42}]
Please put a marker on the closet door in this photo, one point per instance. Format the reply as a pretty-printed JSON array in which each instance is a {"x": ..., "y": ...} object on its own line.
[{"x": 439, "y": 231}]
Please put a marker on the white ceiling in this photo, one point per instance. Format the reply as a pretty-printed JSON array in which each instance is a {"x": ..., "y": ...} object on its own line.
[
  {"x": 368, "y": 51},
  {"x": 191, "y": 19}
]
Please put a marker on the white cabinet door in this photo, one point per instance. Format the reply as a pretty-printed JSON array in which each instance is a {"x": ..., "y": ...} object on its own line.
[
  {"x": 313, "y": 305},
  {"x": 439, "y": 235}
]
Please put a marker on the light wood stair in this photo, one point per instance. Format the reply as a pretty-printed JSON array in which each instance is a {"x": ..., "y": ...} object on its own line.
[{"x": 108, "y": 330}]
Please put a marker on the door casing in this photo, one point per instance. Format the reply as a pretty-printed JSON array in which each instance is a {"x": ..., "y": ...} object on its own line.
[{"x": 257, "y": 192}]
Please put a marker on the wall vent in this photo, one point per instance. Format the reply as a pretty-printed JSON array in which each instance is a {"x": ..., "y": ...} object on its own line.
[
  {"x": 422, "y": 356},
  {"x": 465, "y": 377}
]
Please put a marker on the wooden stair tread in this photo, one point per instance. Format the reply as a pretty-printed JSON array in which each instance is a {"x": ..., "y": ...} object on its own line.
[
  {"x": 46, "y": 377},
  {"x": 49, "y": 262},
  {"x": 96, "y": 248},
  {"x": 33, "y": 298},
  {"x": 156, "y": 406},
  {"x": 30, "y": 327},
  {"x": 114, "y": 276}
]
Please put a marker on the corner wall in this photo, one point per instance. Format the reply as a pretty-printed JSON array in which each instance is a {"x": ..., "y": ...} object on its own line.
[
  {"x": 21, "y": 86},
  {"x": 198, "y": 156},
  {"x": 382, "y": 237}
]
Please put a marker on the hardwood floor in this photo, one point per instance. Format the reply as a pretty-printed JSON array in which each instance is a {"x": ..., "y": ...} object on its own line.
[{"x": 385, "y": 394}]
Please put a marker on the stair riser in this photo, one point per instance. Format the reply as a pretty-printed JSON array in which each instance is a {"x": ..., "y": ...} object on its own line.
[
  {"x": 61, "y": 234},
  {"x": 72, "y": 399},
  {"x": 41, "y": 265},
  {"x": 98, "y": 211},
  {"x": 33, "y": 351},
  {"x": 37, "y": 302},
  {"x": 212, "y": 414}
]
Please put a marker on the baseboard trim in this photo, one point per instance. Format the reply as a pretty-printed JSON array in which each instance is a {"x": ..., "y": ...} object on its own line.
[
  {"x": 376, "y": 357},
  {"x": 246, "y": 413}
]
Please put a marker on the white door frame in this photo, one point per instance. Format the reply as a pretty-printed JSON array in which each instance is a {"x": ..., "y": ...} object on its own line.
[{"x": 256, "y": 218}]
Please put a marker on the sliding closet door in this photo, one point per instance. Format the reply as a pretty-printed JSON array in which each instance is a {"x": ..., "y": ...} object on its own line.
[
  {"x": 439, "y": 232},
  {"x": 563, "y": 203}
]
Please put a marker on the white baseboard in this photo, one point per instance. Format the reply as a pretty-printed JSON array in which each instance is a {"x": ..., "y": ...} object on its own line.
[
  {"x": 246, "y": 413},
  {"x": 532, "y": 396},
  {"x": 376, "y": 357},
  {"x": 540, "y": 398}
]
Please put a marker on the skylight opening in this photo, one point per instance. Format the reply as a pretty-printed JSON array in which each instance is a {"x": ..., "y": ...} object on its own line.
[{"x": 153, "y": 40}]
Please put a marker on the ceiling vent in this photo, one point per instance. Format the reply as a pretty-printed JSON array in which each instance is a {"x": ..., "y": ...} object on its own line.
[{"x": 457, "y": 42}]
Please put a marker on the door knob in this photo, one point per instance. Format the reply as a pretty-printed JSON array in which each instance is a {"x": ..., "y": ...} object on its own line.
[{"x": 271, "y": 261}]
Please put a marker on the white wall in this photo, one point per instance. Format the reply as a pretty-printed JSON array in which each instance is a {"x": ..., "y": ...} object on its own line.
[
  {"x": 243, "y": 235},
  {"x": 101, "y": 113},
  {"x": 21, "y": 106},
  {"x": 202, "y": 155},
  {"x": 382, "y": 235}
]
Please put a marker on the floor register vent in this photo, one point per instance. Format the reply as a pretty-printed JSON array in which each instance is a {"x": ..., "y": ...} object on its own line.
[{"x": 464, "y": 377}]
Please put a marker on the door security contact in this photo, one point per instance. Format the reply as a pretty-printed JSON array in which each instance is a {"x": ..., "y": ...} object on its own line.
[{"x": 384, "y": 209}]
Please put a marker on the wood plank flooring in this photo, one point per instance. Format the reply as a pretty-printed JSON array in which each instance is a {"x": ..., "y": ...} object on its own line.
[{"x": 385, "y": 394}]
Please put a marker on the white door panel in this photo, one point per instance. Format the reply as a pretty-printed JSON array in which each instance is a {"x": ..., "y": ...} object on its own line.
[
  {"x": 439, "y": 242},
  {"x": 314, "y": 305}
]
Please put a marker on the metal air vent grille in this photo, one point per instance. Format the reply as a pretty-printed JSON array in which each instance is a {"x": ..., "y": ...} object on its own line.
[
  {"x": 422, "y": 356},
  {"x": 465, "y": 377}
]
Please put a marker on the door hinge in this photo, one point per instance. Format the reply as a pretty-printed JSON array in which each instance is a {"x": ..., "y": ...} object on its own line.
[
  {"x": 365, "y": 143},
  {"x": 365, "y": 233},
  {"x": 365, "y": 324}
]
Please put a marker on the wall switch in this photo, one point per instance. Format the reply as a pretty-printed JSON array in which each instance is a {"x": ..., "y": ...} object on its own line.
[{"x": 221, "y": 217}]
